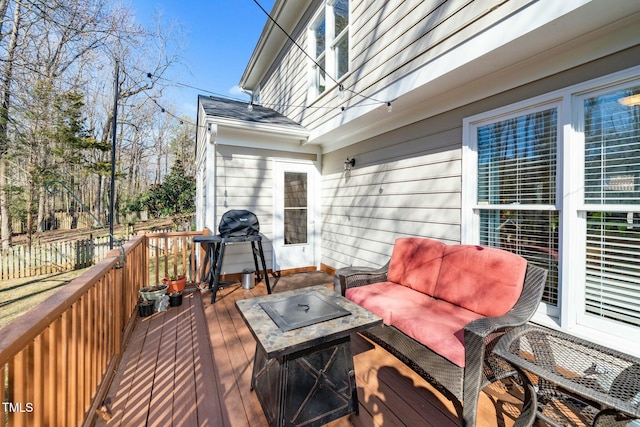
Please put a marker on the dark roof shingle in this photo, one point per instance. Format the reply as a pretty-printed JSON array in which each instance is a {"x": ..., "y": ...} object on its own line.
[{"x": 237, "y": 110}]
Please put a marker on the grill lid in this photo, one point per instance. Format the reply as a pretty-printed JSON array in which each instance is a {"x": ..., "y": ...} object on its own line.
[{"x": 239, "y": 222}]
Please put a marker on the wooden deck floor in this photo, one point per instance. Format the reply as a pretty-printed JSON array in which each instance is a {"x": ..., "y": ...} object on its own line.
[{"x": 191, "y": 366}]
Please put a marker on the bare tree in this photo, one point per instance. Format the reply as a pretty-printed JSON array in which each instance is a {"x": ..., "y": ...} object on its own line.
[
  {"x": 56, "y": 92},
  {"x": 5, "y": 214}
]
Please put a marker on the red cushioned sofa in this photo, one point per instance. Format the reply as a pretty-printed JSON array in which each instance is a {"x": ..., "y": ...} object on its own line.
[{"x": 443, "y": 307}]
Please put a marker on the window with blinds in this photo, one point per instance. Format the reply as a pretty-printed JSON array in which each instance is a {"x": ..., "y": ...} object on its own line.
[
  {"x": 612, "y": 197},
  {"x": 516, "y": 190}
]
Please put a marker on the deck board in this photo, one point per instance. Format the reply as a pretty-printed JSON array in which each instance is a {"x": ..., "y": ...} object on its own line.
[{"x": 191, "y": 366}]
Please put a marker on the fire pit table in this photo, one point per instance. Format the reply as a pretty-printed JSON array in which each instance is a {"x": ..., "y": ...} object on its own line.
[{"x": 303, "y": 370}]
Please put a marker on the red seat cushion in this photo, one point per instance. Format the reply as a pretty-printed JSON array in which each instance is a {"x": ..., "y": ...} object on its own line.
[
  {"x": 415, "y": 262},
  {"x": 434, "y": 323},
  {"x": 386, "y": 299},
  {"x": 439, "y": 325},
  {"x": 485, "y": 280}
]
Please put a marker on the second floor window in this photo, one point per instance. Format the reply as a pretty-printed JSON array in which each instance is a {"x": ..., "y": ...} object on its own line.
[{"x": 330, "y": 44}]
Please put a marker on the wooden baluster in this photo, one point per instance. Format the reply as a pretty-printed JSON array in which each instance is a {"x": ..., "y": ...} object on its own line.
[{"x": 18, "y": 388}]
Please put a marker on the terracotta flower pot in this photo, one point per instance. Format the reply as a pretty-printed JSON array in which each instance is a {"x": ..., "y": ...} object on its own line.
[{"x": 175, "y": 285}]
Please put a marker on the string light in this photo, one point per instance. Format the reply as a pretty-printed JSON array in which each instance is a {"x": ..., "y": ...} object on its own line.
[{"x": 250, "y": 106}]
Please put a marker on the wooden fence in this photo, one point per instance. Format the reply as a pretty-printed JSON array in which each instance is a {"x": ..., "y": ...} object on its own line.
[
  {"x": 21, "y": 260},
  {"x": 51, "y": 257},
  {"x": 57, "y": 360}
]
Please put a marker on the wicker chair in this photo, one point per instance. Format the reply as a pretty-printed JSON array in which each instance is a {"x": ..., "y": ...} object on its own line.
[{"x": 462, "y": 383}]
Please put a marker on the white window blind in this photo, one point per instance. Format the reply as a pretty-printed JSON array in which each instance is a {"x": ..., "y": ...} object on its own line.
[
  {"x": 516, "y": 192},
  {"x": 612, "y": 194},
  {"x": 613, "y": 266}
]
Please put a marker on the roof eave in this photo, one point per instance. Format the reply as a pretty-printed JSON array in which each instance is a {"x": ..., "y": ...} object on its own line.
[
  {"x": 299, "y": 134},
  {"x": 287, "y": 14}
]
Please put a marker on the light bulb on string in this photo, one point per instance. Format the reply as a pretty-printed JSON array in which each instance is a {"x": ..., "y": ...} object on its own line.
[
  {"x": 250, "y": 107},
  {"x": 341, "y": 92},
  {"x": 389, "y": 107}
]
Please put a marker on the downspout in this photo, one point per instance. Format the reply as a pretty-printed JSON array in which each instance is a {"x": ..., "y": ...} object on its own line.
[
  {"x": 250, "y": 94},
  {"x": 211, "y": 196}
]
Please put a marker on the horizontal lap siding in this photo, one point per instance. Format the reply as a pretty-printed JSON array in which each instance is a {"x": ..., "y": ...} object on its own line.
[
  {"x": 405, "y": 183},
  {"x": 245, "y": 181},
  {"x": 388, "y": 40},
  {"x": 286, "y": 86}
]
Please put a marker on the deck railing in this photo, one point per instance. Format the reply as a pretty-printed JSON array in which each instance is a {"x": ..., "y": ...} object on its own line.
[
  {"x": 171, "y": 254},
  {"x": 57, "y": 360}
]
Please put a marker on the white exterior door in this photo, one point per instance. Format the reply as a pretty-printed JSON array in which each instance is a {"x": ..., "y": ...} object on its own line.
[{"x": 295, "y": 222}]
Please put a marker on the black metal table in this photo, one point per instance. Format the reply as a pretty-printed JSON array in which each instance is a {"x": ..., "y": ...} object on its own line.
[
  {"x": 305, "y": 376},
  {"x": 215, "y": 248},
  {"x": 578, "y": 382}
]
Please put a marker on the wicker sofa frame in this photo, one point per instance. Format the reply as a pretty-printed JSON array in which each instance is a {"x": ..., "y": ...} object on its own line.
[{"x": 459, "y": 384}]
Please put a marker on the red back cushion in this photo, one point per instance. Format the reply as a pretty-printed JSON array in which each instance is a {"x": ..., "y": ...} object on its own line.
[
  {"x": 485, "y": 280},
  {"x": 415, "y": 263}
]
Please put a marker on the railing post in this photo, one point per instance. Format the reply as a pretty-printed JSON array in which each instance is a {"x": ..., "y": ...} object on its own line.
[{"x": 119, "y": 303}]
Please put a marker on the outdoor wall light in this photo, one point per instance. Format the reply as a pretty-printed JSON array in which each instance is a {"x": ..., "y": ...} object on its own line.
[{"x": 349, "y": 163}]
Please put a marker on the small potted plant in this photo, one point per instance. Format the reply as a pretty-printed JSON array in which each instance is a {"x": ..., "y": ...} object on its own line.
[
  {"x": 175, "y": 283},
  {"x": 145, "y": 307},
  {"x": 175, "y": 299},
  {"x": 154, "y": 293}
]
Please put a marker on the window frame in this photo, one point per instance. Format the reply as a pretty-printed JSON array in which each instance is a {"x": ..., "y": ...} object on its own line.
[
  {"x": 331, "y": 43},
  {"x": 471, "y": 208},
  {"x": 570, "y": 313}
]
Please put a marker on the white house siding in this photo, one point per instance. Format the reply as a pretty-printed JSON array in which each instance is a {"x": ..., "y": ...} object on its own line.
[
  {"x": 408, "y": 181},
  {"x": 388, "y": 41},
  {"x": 404, "y": 183},
  {"x": 244, "y": 178}
]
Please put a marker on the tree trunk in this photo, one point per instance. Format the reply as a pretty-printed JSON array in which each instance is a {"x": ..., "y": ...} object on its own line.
[
  {"x": 42, "y": 209},
  {"x": 5, "y": 213},
  {"x": 98, "y": 200}
]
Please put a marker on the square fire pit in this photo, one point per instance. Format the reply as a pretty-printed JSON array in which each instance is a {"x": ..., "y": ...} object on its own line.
[{"x": 303, "y": 372}]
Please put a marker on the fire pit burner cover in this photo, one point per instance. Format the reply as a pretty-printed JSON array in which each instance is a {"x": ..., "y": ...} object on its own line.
[{"x": 302, "y": 310}]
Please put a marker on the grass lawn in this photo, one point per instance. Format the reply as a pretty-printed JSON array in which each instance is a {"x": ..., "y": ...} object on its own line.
[{"x": 18, "y": 296}]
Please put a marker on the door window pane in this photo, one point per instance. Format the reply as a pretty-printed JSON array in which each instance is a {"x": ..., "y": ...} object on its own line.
[{"x": 295, "y": 208}]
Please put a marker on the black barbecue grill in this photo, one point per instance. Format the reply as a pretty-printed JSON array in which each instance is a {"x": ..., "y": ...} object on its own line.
[{"x": 236, "y": 226}]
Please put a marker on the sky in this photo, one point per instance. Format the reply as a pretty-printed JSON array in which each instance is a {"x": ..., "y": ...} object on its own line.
[{"x": 219, "y": 38}]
